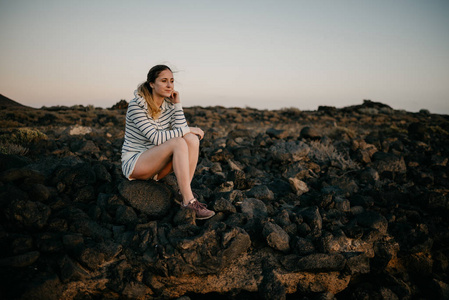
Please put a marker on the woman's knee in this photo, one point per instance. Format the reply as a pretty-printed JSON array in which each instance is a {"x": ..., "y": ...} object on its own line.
[
  {"x": 192, "y": 140},
  {"x": 179, "y": 144}
]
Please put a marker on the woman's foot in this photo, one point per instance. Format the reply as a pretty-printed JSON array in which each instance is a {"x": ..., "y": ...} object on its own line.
[
  {"x": 179, "y": 199},
  {"x": 202, "y": 213}
]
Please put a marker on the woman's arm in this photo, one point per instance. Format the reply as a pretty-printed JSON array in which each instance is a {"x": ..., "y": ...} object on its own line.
[
  {"x": 148, "y": 127},
  {"x": 178, "y": 119}
]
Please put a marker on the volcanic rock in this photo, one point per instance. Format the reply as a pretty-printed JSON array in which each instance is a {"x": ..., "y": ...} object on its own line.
[{"x": 147, "y": 197}]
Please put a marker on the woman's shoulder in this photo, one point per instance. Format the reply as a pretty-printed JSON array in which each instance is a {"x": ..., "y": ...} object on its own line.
[{"x": 138, "y": 101}]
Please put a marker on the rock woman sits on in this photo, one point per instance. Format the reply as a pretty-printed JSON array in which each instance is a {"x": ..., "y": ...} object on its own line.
[{"x": 158, "y": 139}]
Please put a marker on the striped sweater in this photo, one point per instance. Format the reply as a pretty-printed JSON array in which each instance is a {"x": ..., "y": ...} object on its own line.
[{"x": 142, "y": 132}]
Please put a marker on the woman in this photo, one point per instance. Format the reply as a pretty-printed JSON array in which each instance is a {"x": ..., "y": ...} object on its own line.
[{"x": 158, "y": 139}]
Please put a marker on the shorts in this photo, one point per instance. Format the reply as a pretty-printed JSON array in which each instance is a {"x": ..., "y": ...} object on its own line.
[{"x": 129, "y": 160}]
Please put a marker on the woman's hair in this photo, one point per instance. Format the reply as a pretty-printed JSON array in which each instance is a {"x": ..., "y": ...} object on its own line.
[{"x": 145, "y": 91}]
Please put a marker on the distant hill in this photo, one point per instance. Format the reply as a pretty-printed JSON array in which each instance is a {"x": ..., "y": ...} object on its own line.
[{"x": 5, "y": 102}]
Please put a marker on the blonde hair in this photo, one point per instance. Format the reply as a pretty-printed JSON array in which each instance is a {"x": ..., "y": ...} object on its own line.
[{"x": 145, "y": 91}]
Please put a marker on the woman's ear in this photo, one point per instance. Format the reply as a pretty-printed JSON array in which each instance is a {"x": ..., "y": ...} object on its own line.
[{"x": 151, "y": 84}]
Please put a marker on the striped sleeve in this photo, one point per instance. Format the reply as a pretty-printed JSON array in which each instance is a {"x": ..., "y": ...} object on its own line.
[
  {"x": 178, "y": 119},
  {"x": 148, "y": 127}
]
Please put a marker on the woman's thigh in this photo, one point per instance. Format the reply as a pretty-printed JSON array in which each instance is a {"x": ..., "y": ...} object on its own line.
[{"x": 152, "y": 161}]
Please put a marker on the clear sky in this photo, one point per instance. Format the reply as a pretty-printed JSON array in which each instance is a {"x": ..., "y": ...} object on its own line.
[{"x": 260, "y": 54}]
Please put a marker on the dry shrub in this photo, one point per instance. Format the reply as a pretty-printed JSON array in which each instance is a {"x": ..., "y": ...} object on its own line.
[
  {"x": 12, "y": 149},
  {"x": 22, "y": 136},
  {"x": 340, "y": 133},
  {"x": 9, "y": 123},
  {"x": 328, "y": 154}
]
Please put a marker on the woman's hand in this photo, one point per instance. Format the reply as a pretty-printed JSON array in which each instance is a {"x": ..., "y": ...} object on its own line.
[
  {"x": 174, "y": 97},
  {"x": 197, "y": 131}
]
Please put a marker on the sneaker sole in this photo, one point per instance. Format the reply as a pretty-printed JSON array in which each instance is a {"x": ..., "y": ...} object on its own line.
[{"x": 205, "y": 218}]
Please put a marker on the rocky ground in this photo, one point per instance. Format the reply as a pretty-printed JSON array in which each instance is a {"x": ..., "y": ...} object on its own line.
[{"x": 347, "y": 203}]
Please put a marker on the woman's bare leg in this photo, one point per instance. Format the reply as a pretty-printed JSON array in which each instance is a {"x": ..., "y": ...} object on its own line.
[
  {"x": 154, "y": 160},
  {"x": 194, "y": 145}
]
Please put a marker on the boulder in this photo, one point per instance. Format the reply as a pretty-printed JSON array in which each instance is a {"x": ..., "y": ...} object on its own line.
[
  {"x": 261, "y": 192},
  {"x": 276, "y": 237},
  {"x": 316, "y": 262},
  {"x": 27, "y": 214},
  {"x": 148, "y": 197},
  {"x": 310, "y": 133},
  {"x": 289, "y": 151}
]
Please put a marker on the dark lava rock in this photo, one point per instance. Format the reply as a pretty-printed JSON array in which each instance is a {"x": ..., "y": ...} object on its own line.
[
  {"x": 13, "y": 162},
  {"x": 20, "y": 261},
  {"x": 27, "y": 214},
  {"x": 304, "y": 246},
  {"x": 276, "y": 237},
  {"x": 310, "y": 133},
  {"x": 289, "y": 151},
  {"x": 149, "y": 197},
  {"x": 419, "y": 131},
  {"x": 388, "y": 163},
  {"x": 261, "y": 192},
  {"x": 374, "y": 220},
  {"x": 316, "y": 262},
  {"x": 254, "y": 208},
  {"x": 277, "y": 133}
]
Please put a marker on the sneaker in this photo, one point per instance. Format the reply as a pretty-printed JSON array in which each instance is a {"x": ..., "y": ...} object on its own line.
[
  {"x": 200, "y": 209},
  {"x": 178, "y": 197}
]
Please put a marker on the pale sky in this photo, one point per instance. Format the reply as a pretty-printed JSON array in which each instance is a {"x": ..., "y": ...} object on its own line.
[{"x": 260, "y": 54}]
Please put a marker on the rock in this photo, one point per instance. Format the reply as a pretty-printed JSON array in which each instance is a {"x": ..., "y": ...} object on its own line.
[
  {"x": 91, "y": 258},
  {"x": 310, "y": 133},
  {"x": 316, "y": 262},
  {"x": 279, "y": 187},
  {"x": 89, "y": 147},
  {"x": 122, "y": 104},
  {"x": 77, "y": 130},
  {"x": 357, "y": 263},
  {"x": 71, "y": 270},
  {"x": 27, "y": 214},
  {"x": 277, "y": 133},
  {"x": 299, "y": 186},
  {"x": 224, "y": 205},
  {"x": 271, "y": 288},
  {"x": 440, "y": 289},
  {"x": 296, "y": 170},
  {"x": 149, "y": 197},
  {"x": 238, "y": 177},
  {"x": 48, "y": 242},
  {"x": 102, "y": 173},
  {"x": 418, "y": 131},
  {"x": 374, "y": 220},
  {"x": 389, "y": 163},
  {"x": 20, "y": 243},
  {"x": 136, "y": 290},
  {"x": 21, "y": 174},
  {"x": 89, "y": 228},
  {"x": 313, "y": 218},
  {"x": 369, "y": 175},
  {"x": 75, "y": 177},
  {"x": 254, "y": 208},
  {"x": 39, "y": 192},
  {"x": 45, "y": 287},
  {"x": 12, "y": 162},
  {"x": 184, "y": 216},
  {"x": 261, "y": 192},
  {"x": 276, "y": 237},
  {"x": 304, "y": 246},
  {"x": 289, "y": 151},
  {"x": 125, "y": 215},
  {"x": 20, "y": 261}
]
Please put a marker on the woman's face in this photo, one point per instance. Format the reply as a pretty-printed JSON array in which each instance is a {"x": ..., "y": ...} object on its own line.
[{"x": 164, "y": 84}]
